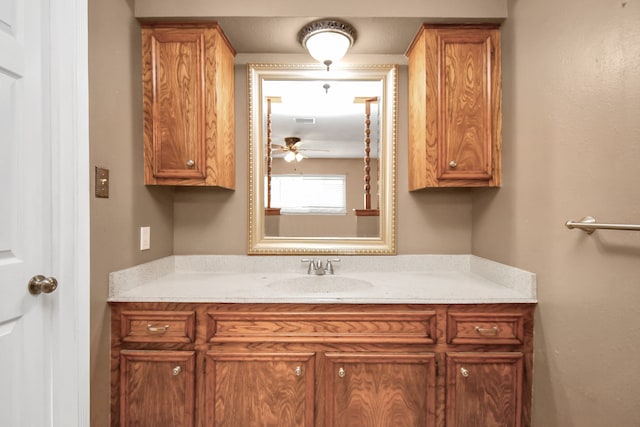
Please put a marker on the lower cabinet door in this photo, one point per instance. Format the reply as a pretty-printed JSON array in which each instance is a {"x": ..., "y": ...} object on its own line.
[
  {"x": 380, "y": 390},
  {"x": 157, "y": 388},
  {"x": 258, "y": 389},
  {"x": 484, "y": 389}
]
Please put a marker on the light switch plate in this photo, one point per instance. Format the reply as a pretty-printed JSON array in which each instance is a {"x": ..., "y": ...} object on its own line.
[
  {"x": 145, "y": 238},
  {"x": 102, "y": 182}
]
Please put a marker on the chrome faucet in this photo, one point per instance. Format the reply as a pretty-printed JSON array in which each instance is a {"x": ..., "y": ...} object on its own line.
[{"x": 316, "y": 267}]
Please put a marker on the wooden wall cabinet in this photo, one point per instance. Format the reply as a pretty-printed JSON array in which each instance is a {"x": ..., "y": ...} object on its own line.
[
  {"x": 321, "y": 365},
  {"x": 188, "y": 105},
  {"x": 455, "y": 118}
]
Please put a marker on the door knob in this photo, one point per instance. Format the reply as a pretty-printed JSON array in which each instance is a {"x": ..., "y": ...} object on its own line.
[{"x": 40, "y": 284}]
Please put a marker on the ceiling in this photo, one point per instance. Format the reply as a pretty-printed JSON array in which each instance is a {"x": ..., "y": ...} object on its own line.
[
  {"x": 375, "y": 36},
  {"x": 327, "y": 115}
]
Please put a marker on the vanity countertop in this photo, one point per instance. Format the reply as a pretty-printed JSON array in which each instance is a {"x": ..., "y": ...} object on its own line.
[{"x": 400, "y": 279}]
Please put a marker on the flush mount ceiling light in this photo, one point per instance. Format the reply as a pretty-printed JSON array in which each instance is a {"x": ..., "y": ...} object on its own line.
[{"x": 327, "y": 40}]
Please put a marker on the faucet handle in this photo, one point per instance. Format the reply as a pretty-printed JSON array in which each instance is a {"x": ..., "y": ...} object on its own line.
[
  {"x": 312, "y": 265},
  {"x": 330, "y": 261}
]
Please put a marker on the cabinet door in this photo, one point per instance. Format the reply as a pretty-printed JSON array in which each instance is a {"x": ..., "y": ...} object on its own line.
[
  {"x": 157, "y": 388},
  {"x": 466, "y": 111},
  {"x": 257, "y": 389},
  {"x": 380, "y": 390},
  {"x": 484, "y": 389},
  {"x": 455, "y": 108},
  {"x": 188, "y": 105},
  {"x": 174, "y": 60}
]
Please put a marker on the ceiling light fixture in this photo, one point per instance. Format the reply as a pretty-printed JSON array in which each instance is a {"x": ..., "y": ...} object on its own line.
[{"x": 327, "y": 40}]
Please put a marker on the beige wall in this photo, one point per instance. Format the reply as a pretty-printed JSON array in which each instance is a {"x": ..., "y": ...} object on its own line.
[
  {"x": 115, "y": 120},
  {"x": 571, "y": 95}
]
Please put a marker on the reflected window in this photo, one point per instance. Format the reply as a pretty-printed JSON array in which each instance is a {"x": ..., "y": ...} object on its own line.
[{"x": 309, "y": 194}]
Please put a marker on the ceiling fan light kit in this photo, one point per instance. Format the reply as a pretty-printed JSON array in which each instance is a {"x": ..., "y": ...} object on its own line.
[
  {"x": 292, "y": 152},
  {"x": 293, "y": 155},
  {"x": 327, "y": 40}
]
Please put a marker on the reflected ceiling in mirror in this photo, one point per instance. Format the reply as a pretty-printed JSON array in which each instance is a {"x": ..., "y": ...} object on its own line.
[
  {"x": 305, "y": 122},
  {"x": 326, "y": 115}
]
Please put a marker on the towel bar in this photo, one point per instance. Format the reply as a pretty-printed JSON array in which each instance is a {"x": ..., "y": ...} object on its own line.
[{"x": 588, "y": 224}]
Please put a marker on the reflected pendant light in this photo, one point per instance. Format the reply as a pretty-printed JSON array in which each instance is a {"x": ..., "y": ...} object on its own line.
[{"x": 327, "y": 40}]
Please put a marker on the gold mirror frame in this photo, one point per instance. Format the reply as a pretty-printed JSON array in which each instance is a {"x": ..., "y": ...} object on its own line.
[{"x": 258, "y": 243}]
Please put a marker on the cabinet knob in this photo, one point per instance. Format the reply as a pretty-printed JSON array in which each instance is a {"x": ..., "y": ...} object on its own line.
[
  {"x": 298, "y": 371},
  {"x": 175, "y": 371},
  {"x": 464, "y": 372},
  {"x": 341, "y": 373},
  {"x": 190, "y": 163},
  {"x": 453, "y": 164}
]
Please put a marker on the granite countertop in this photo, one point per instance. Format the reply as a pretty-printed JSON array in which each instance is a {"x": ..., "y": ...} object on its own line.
[{"x": 401, "y": 279}]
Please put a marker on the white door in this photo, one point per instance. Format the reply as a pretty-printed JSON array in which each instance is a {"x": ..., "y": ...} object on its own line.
[{"x": 35, "y": 354}]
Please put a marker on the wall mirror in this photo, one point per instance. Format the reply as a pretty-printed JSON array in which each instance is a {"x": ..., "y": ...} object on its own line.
[{"x": 322, "y": 159}]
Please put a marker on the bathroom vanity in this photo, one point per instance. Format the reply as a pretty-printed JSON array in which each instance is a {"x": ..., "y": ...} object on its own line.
[{"x": 385, "y": 341}]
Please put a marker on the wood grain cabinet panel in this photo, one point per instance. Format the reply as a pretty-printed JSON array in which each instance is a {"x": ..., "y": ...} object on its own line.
[
  {"x": 455, "y": 120},
  {"x": 188, "y": 105},
  {"x": 256, "y": 389},
  {"x": 371, "y": 327},
  {"x": 158, "y": 326},
  {"x": 485, "y": 328},
  {"x": 380, "y": 390},
  {"x": 484, "y": 389},
  {"x": 157, "y": 388}
]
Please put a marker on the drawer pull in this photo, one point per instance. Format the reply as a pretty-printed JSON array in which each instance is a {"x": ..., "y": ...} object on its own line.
[
  {"x": 464, "y": 372},
  {"x": 157, "y": 329},
  {"x": 298, "y": 371},
  {"x": 175, "y": 371},
  {"x": 341, "y": 373},
  {"x": 487, "y": 331}
]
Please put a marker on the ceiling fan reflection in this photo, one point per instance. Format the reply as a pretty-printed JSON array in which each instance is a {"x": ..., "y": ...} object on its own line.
[{"x": 292, "y": 149}]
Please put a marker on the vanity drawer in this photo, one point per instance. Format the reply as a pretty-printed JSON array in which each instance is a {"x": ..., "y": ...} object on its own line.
[
  {"x": 485, "y": 328},
  {"x": 383, "y": 327},
  {"x": 157, "y": 326}
]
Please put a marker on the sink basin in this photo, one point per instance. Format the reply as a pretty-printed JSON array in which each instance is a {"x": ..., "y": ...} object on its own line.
[{"x": 320, "y": 284}]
